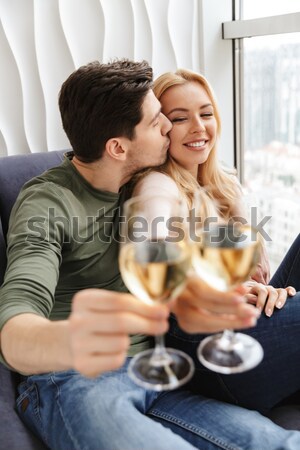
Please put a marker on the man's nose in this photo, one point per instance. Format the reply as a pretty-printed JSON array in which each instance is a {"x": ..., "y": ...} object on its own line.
[{"x": 167, "y": 125}]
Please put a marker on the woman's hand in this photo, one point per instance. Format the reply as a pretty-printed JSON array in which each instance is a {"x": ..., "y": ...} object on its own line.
[
  {"x": 203, "y": 309},
  {"x": 262, "y": 273},
  {"x": 267, "y": 297}
]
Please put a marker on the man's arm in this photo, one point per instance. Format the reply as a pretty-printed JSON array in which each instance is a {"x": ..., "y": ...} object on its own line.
[
  {"x": 93, "y": 340},
  {"x": 95, "y": 337},
  {"x": 33, "y": 344}
]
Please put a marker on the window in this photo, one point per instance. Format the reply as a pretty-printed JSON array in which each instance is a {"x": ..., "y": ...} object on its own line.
[
  {"x": 266, "y": 39},
  {"x": 272, "y": 133}
]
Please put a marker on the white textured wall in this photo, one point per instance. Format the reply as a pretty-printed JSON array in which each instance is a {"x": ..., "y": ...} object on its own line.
[{"x": 43, "y": 41}]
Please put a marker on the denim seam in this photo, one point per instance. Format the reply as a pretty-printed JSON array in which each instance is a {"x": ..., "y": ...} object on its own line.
[
  {"x": 21, "y": 398},
  {"x": 293, "y": 264},
  {"x": 68, "y": 428},
  {"x": 234, "y": 400},
  {"x": 36, "y": 408},
  {"x": 193, "y": 429}
]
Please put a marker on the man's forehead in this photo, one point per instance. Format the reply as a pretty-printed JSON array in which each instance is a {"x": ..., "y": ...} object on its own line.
[{"x": 151, "y": 106}]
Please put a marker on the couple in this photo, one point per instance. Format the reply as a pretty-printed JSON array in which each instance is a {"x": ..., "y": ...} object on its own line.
[{"x": 67, "y": 321}]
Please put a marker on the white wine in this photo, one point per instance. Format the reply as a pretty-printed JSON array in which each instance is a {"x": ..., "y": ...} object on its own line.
[
  {"x": 226, "y": 255},
  {"x": 155, "y": 271}
]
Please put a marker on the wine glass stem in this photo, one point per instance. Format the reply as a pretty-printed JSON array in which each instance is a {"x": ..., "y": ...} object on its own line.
[
  {"x": 226, "y": 340},
  {"x": 160, "y": 357}
]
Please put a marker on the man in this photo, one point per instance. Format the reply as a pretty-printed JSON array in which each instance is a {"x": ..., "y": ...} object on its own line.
[{"x": 60, "y": 315}]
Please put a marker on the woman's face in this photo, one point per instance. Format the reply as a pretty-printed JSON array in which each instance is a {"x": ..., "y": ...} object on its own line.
[{"x": 194, "y": 131}]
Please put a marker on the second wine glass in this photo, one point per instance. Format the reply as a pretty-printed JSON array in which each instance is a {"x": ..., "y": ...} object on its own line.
[
  {"x": 155, "y": 257},
  {"x": 224, "y": 256}
]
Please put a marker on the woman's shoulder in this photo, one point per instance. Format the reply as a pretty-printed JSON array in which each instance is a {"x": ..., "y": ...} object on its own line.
[
  {"x": 230, "y": 173},
  {"x": 156, "y": 183}
]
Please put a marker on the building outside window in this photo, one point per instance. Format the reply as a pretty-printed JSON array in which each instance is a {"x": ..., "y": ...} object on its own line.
[{"x": 271, "y": 124}]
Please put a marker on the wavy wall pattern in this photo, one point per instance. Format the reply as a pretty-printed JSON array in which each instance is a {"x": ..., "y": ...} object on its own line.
[{"x": 43, "y": 41}]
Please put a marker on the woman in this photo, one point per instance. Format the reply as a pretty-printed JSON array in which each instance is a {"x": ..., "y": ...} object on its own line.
[{"x": 189, "y": 103}]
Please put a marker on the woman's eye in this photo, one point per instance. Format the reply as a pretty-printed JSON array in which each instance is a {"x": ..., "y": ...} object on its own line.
[
  {"x": 207, "y": 115},
  {"x": 177, "y": 119}
]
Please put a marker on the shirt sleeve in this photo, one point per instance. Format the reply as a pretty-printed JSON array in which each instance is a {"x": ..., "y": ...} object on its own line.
[{"x": 33, "y": 253}]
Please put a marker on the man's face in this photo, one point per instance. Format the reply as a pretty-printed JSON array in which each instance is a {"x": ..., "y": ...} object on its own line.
[{"x": 150, "y": 145}]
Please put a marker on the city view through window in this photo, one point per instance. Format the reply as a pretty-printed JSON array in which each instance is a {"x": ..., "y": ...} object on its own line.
[{"x": 272, "y": 135}]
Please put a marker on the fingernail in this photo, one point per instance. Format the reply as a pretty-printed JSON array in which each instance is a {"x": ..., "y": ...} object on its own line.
[
  {"x": 269, "y": 312},
  {"x": 279, "y": 305}
]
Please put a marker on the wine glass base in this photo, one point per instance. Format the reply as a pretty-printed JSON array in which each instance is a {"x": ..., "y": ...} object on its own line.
[
  {"x": 241, "y": 355},
  {"x": 177, "y": 371}
]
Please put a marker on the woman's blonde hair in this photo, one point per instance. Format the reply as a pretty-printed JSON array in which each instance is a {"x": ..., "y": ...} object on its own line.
[{"x": 220, "y": 182}]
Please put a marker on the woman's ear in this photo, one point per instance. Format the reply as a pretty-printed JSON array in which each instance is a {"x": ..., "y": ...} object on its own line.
[{"x": 116, "y": 148}]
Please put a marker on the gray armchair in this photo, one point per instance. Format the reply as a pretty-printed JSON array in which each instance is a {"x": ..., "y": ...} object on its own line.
[{"x": 14, "y": 172}]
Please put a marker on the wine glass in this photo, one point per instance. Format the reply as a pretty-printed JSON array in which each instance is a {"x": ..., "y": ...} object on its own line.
[
  {"x": 154, "y": 260},
  {"x": 225, "y": 254}
]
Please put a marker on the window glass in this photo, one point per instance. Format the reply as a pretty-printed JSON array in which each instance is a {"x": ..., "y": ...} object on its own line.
[
  {"x": 252, "y": 9},
  {"x": 272, "y": 134}
]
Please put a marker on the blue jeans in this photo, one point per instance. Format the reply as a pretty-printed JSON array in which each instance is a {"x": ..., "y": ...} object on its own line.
[
  {"x": 71, "y": 412},
  {"x": 278, "y": 375},
  {"x": 288, "y": 273}
]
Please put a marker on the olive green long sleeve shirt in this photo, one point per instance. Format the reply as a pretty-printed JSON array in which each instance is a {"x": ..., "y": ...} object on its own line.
[{"x": 62, "y": 238}]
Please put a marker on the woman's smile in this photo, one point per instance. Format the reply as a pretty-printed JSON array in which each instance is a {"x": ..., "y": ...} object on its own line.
[{"x": 196, "y": 145}]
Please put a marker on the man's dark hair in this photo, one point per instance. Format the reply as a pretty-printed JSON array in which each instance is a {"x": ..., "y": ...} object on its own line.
[{"x": 100, "y": 101}]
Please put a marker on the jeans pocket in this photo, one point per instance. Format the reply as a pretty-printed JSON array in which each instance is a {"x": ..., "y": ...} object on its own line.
[{"x": 28, "y": 408}]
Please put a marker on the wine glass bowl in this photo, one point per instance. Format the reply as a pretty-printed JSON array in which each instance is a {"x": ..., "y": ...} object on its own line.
[
  {"x": 155, "y": 270},
  {"x": 154, "y": 262},
  {"x": 224, "y": 256},
  {"x": 227, "y": 254}
]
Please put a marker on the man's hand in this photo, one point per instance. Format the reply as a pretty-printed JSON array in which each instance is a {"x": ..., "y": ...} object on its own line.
[
  {"x": 99, "y": 326},
  {"x": 202, "y": 309}
]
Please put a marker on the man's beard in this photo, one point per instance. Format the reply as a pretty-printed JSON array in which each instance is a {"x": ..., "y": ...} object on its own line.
[{"x": 135, "y": 167}]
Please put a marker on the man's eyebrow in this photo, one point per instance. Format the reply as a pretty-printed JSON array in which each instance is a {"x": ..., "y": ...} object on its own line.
[
  {"x": 185, "y": 109},
  {"x": 155, "y": 117}
]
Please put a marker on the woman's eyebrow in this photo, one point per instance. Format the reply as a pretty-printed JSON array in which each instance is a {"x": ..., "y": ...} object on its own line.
[{"x": 177, "y": 109}]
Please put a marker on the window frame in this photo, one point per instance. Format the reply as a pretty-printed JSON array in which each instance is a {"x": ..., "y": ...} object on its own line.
[{"x": 237, "y": 30}]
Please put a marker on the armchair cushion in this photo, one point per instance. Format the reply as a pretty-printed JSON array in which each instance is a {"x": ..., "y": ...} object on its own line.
[{"x": 14, "y": 172}]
